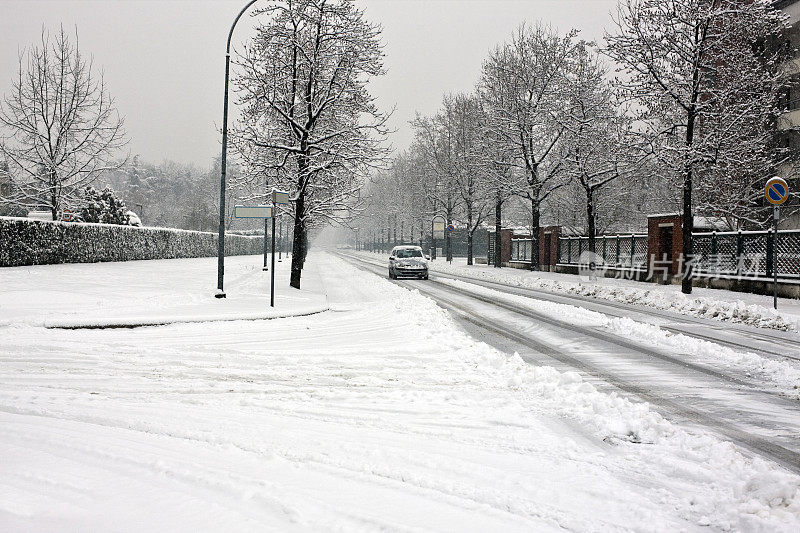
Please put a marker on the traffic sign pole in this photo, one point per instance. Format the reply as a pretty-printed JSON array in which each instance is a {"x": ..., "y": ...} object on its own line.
[
  {"x": 776, "y": 213},
  {"x": 776, "y": 192},
  {"x": 266, "y": 227},
  {"x": 278, "y": 198}
]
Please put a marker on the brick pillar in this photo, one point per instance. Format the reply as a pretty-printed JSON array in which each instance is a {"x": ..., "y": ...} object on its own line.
[
  {"x": 658, "y": 229},
  {"x": 505, "y": 245},
  {"x": 548, "y": 260}
]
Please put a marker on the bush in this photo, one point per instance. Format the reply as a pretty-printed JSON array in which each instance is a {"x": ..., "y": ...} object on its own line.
[
  {"x": 103, "y": 207},
  {"x": 37, "y": 242}
]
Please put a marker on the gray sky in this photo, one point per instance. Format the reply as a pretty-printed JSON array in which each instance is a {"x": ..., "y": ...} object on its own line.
[{"x": 164, "y": 60}]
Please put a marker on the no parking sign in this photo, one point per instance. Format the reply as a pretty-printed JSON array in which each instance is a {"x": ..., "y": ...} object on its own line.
[{"x": 776, "y": 191}]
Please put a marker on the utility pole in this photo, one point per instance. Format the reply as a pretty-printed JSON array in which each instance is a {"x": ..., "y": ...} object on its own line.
[
  {"x": 272, "y": 274},
  {"x": 224, "y": 161}
]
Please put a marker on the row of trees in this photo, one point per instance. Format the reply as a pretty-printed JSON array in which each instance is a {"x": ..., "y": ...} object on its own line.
[{"x": 551, "y": 131}]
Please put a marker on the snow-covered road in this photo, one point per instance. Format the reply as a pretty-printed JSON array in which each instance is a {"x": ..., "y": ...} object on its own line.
[
  {"x": 378, "y": 414},
  {"x": 749, "y": 399}
]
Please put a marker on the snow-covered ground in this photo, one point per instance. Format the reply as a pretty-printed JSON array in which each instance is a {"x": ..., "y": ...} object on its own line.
[
  {"x": 738, "y": 307},
  {"x": 149, "y": 292},
  {"x": 378, "y": 414}
]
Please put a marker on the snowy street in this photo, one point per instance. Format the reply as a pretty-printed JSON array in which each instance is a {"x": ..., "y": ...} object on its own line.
[
  {"x": 379, "y": 413},
  {"x": 744, "y": 385}
]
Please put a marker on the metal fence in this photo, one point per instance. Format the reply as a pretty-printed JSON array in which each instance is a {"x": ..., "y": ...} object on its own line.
[
  {"x": 747, "y": 253},
  {"x": 739, "y": 254},
  {"x": 617, "y": 251},
  {"x": 521, "y": 250}
]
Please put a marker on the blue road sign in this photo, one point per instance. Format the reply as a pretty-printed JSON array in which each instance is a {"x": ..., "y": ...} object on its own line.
[{"x": 776, "y": 191}]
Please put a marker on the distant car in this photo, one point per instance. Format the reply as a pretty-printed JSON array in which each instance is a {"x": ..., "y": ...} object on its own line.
[{"x": 408, "y": 262}]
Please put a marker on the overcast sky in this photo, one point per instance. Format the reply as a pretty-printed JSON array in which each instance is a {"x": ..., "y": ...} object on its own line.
[{"x": 164, "y": 60}]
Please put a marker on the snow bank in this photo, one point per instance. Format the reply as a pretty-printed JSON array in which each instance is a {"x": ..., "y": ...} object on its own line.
[
  {"x": 784, "y": 374},
  {"x": 734, "y": 309}
]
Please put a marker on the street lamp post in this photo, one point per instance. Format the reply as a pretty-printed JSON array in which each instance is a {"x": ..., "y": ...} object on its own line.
[{"x": 221, "y": 237}]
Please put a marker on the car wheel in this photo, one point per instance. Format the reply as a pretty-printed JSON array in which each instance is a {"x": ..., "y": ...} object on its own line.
[{"x": 425, "y": 276}]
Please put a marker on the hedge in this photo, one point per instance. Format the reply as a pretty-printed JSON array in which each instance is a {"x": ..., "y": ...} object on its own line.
[{"x": 25, "y": 241}]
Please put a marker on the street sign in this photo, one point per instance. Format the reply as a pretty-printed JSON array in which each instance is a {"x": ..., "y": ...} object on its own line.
[
  {"x": 776, "y": 191},
  {"x": 66, "y": 215},
  {"x": 252, "y": 211},
  {"x": 280, "y": 197},
  {"x": 450, "y": 228},
  {"x": 437, "y": 227}
]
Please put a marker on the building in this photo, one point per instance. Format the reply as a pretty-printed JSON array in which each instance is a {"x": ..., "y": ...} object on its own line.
[{"x": 789, "y": 122}]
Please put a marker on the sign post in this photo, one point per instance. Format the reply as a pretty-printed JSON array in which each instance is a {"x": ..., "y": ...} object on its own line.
[
  {"x": 278, "y": 198},
  {"x": 280, "y": 239},
  {"x": 437, "y": 232},
  {"x": 776, "y": 192},
  {"x": 265, "y": 212}
]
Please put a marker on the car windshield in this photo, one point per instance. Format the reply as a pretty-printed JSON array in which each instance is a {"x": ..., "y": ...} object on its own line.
[{"x": 404, "y": 254}]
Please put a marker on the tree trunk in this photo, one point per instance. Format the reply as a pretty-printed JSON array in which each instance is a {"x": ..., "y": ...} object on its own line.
[
  {"x": 688, "y": 217},
  {"x": 590, "y": 218},
  {"x": 298, "y": 242},
  {"x": 53, "y": 197},
  {"x": 534, "y": 233},
  {"x": 498, "y": 227},
  {"x": 298, "y": 251},
  {"x": 470, "y": 229}
]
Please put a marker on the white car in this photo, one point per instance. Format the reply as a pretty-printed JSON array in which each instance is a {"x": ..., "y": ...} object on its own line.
[{"x": 408, "y": 262}]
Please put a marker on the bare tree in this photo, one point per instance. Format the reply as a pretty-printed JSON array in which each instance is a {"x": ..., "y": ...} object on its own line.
[
  {"x": 309, "y": 123},
  {"x": 61, "y": 128},
  {"x": 496, "y": 161},
  {"x": 707, "y": 86},
  {"x": 596, "y": 140},
  {"x": 523, "y": 85},
  {"x": 435, "y": 144}
]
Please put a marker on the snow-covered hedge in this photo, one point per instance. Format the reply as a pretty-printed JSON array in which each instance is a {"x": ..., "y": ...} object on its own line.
[{"x": 35, "y": 242}]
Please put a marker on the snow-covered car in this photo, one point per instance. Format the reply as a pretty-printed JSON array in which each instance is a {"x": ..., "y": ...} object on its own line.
[
  {"x": 134, "y": 219},
  {"x": 408, "y": 262}
]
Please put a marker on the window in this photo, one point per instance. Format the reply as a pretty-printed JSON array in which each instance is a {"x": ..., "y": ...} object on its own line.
[{"x": 405, "y": 254}]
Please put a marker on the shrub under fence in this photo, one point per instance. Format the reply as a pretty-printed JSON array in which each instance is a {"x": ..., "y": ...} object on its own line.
[{"x": 36, "y": 242}]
